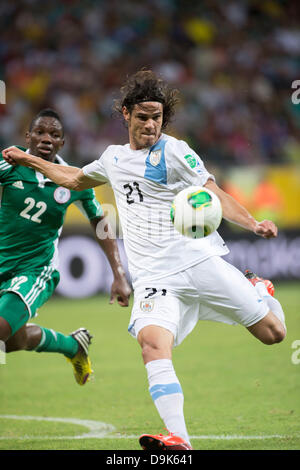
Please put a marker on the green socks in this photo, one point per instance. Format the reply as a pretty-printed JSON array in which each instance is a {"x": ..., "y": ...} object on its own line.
[{"x": 53, "y": 341}]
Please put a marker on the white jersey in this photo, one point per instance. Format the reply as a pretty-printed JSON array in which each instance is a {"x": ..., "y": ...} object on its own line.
[{"x": 145, "y": 183}]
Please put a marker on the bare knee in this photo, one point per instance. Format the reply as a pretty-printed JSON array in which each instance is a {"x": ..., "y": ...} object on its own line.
[
  {"x": 156, "y": 343},
  {"x": 5, "y": 330},
  {"x": 152, "y": 351}
]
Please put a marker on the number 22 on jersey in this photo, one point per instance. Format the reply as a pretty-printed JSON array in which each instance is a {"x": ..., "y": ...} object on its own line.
[{"x": 33, "y": 210}]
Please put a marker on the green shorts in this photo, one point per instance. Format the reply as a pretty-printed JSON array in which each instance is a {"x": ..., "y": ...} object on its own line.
[{"x": 32, "y": 290}]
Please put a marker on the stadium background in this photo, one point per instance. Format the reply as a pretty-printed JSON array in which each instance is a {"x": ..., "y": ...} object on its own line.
[{"x": 234, "y": 63}]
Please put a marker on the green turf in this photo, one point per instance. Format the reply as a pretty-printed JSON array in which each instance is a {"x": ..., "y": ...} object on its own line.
[{"x": 233, "y": 385}]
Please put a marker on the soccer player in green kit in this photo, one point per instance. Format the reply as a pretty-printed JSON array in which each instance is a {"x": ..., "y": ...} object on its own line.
[{"x": 32, "y": 210}]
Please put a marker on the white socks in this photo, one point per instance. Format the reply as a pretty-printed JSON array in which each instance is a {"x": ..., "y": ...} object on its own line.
[
  {"x": 167, "y": 395},
  {"x": 272, "y": 303}
]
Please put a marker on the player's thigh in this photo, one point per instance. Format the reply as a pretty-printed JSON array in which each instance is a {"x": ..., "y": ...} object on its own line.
[
  {"x": 225, "y": 294},
  {"x": 13, "y": 312},
  {"x": 168, "y": 307},
  {"x": 159, "y": 310},
  {"x": 28, "y": 292}
]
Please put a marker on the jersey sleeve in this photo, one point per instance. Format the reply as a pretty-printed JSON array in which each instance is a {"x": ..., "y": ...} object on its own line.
[
  {"x": 5, "y": 168},
  {"x": 188, "y": 166},
  {"x": 88, "y": 204},
  {"x": 96, "y": 170}
]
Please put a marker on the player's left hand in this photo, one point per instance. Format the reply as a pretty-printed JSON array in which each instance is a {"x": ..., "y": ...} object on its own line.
[
  {"x": 121, "y": 291},
  {"x": 266, "y": 229}
]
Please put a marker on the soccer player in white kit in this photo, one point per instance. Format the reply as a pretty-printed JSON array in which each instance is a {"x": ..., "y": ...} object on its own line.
[{"x": 177, "y": 281}]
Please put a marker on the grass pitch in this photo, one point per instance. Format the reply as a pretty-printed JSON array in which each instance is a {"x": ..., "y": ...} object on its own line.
[{"x": 239, "y": 393}]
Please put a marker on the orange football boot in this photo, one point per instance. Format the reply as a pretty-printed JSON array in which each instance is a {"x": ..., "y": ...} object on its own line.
[
  {"x": 161, "y": 442},
  {"x": 254, "y": 279}
]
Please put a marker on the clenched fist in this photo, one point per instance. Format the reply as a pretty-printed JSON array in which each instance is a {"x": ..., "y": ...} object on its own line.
[{"x": 15, "y": 156}]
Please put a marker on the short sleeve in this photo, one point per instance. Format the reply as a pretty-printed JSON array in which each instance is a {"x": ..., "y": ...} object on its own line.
[
  {"x": 187, "y": 165},
  {"x": 96, "y": 170}
]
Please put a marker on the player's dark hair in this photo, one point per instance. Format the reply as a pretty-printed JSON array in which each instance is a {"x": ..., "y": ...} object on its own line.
[
  {"x": 47, "y": 112},
  {"x": 143, "y": 86}
]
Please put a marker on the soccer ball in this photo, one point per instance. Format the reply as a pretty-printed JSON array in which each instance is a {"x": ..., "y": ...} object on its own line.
[{"x": 196, "y": 212}]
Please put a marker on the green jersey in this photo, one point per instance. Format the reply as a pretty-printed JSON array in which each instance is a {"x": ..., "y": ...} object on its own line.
[{"x": 32, "y": 210}]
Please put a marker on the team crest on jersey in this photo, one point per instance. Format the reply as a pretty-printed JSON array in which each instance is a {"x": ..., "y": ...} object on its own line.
[
  {"x": 155, "y": 157},
  {"x": 62, "y": 195},
  {"x": 147, "y": 305}
]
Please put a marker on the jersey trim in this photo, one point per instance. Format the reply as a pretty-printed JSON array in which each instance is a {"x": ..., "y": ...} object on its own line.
[
  {"x": 5, "y": 166},
  {"x": 39, "y": 285}
]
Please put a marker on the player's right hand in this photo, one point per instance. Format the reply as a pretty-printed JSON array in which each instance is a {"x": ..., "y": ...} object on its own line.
[
  {"x": 15, "y": 156},
  {"x": 120, "y": 291}
]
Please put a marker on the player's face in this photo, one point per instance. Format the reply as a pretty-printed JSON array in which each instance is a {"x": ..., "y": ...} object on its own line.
[
  {"x": 144, "y": 124},
  {"x": 45, "y": 138}
]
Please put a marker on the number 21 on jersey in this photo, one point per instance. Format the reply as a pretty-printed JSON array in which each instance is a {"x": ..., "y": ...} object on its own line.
[{"x": 133, "y": 193}]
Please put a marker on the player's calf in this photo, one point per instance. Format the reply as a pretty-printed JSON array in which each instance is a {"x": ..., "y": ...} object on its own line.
[
  {"x": 25, "y": 339},
  {"x": 18, "y": 341},
  {"x": 269, "y": 330}
]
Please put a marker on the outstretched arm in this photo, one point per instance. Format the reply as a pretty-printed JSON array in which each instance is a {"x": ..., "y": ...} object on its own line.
[
  {"x": 236, "y": 213},
  {"x": 70, "y": 177},
  {"x": 120, "y": 289}
]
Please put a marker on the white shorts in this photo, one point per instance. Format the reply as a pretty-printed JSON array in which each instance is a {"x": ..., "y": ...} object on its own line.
[{"x": 211, "y": 290}]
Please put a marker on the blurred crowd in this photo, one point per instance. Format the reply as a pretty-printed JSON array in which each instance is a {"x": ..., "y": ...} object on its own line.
[{"x": 233, "y": 62}]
